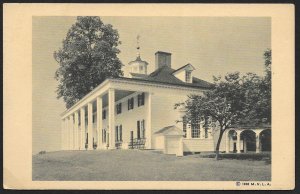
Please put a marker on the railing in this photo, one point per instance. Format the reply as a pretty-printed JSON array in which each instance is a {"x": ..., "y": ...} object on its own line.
[
  {"x": 119, "y": 144},
  {"x": 137, "y": 143}
]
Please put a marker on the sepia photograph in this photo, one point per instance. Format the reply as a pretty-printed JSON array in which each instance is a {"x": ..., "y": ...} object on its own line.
[
  {"x": 151, "y": 98},
  {"x": 119, "y": 96}
]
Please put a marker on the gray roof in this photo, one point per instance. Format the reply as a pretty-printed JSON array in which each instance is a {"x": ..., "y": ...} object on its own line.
[{"x": 165, "y": 75}]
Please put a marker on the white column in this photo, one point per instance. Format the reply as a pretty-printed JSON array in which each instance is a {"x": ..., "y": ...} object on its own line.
[
  {"x": 148, "y": 123},
  {"x": 257, "y": 141},
  {"x": 188, "y": 131},
  {"x": 227, "y": 141},
  {"x": 99, "y": 121},
  {"x": 76, "y": 131},
  {"x": 90, "y": 126},
  {"x": 238, "y": 141},
  {"x": 67, "y": 133},
  {"x": 111, "y": 118},
  {"x": 82, "y": 128},
  {"x": 62, "y": 142},
  {"x": 71, "y": 125},
  {"x": 180, "y": 150}
]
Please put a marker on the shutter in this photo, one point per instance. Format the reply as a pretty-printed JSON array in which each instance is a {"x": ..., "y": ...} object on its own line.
[
  {"x": 132, "y": 102},
  {"x": 128, "y": 104},
  {"x": 120, "y": 132},
  {"x": 116, "y": 135},
  {"x": 138, "y": 130}
]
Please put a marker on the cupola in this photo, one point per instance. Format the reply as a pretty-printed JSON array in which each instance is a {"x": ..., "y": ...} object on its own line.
[{"x": 138, "y": 66}]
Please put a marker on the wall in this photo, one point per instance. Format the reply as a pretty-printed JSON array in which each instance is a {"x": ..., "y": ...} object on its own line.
[
  {"x": 162, "y": 110},
  {"x": 180, "y": 75},
  {"x": 128, "y": 118},
  {"x": 198, "y": 145},
  {"x": 159, "y": 142}
]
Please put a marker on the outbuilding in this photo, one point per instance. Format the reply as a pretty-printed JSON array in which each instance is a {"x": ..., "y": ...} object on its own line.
[{"x": 169, "y": 139}]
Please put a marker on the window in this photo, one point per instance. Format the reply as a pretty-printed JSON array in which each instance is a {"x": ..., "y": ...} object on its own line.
[
  {"x": 141, "y": 68},
  {"x": 138, "y": 132},
  {"x": 103, "y": 114},
  {"x": 184, "y": 126},
  {"x": 118, "y": 133},
  {"x": 195, "y": 130},
  {"x": 119, "y": 108},
  {"x": 188, "y": 76},
  {"x": 141, "y": 99},
  {"x": 130, "y": 103}
]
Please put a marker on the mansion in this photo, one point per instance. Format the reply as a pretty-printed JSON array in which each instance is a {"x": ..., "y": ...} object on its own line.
[{"x": 137, "y": 112}]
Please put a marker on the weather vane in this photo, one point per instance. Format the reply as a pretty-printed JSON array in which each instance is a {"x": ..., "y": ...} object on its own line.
[{"x": 137, "y": 41}]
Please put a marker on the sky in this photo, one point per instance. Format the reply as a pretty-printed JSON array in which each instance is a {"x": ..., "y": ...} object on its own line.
[{"x": 213, "y": 45}]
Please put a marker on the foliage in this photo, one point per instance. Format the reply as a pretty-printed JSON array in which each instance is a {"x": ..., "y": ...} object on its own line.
[
  {"x": 234, "y": 100},
  {"x": 87, "y": 58},
  {"x": 243, "y": 156}
]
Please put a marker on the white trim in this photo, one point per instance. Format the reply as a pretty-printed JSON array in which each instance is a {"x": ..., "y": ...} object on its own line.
[{"x": 104, "y": 86}]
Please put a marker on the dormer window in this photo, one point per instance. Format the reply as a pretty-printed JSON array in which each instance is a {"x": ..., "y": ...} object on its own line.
[
  {"x": 184, "y": 73},
  {"x": 188, "y": 76}
]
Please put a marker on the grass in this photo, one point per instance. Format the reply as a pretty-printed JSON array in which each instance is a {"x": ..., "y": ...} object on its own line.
[{"x": 143, "y": 165}]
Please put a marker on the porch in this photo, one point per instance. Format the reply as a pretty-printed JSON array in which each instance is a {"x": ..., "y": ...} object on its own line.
[
  {"x": 243, "y": 140},
  {"x": 99, "y": 120}
]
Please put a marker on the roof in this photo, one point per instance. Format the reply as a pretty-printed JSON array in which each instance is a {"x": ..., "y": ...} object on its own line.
[
  {"x": 138, "y": 59},
  {"x": 165, "y": 75},
  {"x": 170, "y": 130},
  {"x": 184, "y": 67},
  {"x": 163, "y": 52},
  {"x": 138, "y": 75},
  {"x": 257, "y": 126}
]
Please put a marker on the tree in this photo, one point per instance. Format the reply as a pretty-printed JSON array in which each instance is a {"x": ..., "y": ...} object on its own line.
[
  {"x": 88, "y": 56},
  {"x": 234, "y": 100}
]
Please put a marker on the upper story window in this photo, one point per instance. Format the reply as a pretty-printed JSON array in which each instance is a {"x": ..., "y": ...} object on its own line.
[
  {"x": 104, "y": 114},
  {"x": 119, "y": 108},
  {"x": 141, "y": 99},
  {"x": 130, "y": 103},
  {"x": 188, "y": 76}
]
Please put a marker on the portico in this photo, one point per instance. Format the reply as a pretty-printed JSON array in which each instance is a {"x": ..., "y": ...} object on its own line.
[
  {"x": 247, "y": 139},
  {"x": 96, "y": 121}
]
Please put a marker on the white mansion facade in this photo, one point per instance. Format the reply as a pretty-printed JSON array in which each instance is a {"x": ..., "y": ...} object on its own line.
[{"x": 138, "y": 112}]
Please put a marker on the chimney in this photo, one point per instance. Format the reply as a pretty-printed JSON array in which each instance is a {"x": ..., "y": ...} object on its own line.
[{"x": 162, "y": 59}]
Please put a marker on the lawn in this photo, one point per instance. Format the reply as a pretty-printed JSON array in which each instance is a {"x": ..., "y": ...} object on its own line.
[{"x": 143, "y": 165}]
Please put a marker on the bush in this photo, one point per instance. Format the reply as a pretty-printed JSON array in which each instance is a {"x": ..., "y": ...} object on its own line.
[
  {"x": 241, "y": 156},
  {"x": 42, "y": 152}
]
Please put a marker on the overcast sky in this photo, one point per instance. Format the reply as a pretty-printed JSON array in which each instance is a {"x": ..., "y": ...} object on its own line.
[{"x": 213, "y": 45}]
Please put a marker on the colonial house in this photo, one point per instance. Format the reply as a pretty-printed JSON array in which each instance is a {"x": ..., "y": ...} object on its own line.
[{"x": 137, "y": 112}]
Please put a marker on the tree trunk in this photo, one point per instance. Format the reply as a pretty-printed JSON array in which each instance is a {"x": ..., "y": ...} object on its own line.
[{"x": 218, "y": 143}]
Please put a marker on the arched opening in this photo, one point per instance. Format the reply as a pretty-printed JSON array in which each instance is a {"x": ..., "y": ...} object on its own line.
[
  {"x": 265, "y": 140},
  {"x": 231, "y": 141},
  {"x": 248, "y": 141}
]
